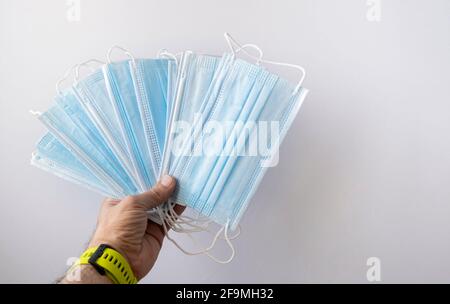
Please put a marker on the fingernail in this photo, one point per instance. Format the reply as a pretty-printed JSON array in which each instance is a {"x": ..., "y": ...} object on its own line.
[{"x": 166, "y": 180}]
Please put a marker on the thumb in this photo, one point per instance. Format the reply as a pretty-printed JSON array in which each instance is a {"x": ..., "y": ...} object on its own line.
[{"x": 157, "y": 195}]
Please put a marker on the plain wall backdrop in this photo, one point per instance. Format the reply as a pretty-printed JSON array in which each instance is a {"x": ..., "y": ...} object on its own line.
[{"x": 364, "y": 171}]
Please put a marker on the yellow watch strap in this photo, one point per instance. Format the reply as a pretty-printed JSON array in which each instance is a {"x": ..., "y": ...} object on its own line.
[{"x": 115, "y": 265}]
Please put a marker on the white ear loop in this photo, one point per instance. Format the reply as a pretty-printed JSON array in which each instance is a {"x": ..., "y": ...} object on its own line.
[
  {"x": 75, "y": 68},
  {"x": 164, "y": 53},
  {"x": 35, "y": 113},
  {"x": 171, "y": 210},
  {"x": 238, "y": 233},
  {"x": 177, "y": 221},
  {"x": 300, "y": 68},
  {"x": 165, "y": 219},
  {"x": 206, "y": 250},
  {"x": 227, "y": 239},
  {"x": 64, "y": 77},
  {"x": 86, "y": 64},
  {"x": 171, "y": 222},
  {"x": 216, "y": 237},
  {"x": 232, "y": 43},
  {"x": 114, "y": 47}
]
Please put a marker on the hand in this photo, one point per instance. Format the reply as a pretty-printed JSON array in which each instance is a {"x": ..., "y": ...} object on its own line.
[{"x": 124, "y": 226}]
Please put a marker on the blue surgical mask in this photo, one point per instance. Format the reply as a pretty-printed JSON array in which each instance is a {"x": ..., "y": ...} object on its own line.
[
  {"x": 220, "y": 186},
  {"x": 119, "y": 84},
  {"x": 92, "y": 94},
  {"x": 238, "y": 79},
  {"x": 51, "y": 156},
  {"x": 240, "y": 176},
  {"x": 150, "y": 80},
  {"x": 234, "y": 109},
  {"x": 193, "y": 83},
  {"x": 71, "y": 105},
  {"x": 85, "y": 150}
]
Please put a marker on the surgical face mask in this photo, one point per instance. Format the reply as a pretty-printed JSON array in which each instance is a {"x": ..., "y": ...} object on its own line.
[
  {"x": 220, "y": 186},
  {"x": 196, "y": 75},
  {"x": 85, "y": 150},
  {"x": 119, "y": 84},
  {"x": 237, "y": 178},
  {"x": 92, "y": 94},
  {"x": 227, "y": 76},
  {"x": 74, "y": 110},
  {"x": 51, "y": 156},
  {"x": 150, "y": 80},
  {"x": 242, "y": 111}
]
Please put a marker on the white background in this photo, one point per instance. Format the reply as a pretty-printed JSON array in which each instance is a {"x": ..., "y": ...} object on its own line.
[{"x": 364, "y": 171}]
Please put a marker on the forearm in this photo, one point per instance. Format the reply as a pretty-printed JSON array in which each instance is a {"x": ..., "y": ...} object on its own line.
[{"x": 84, "y": 274}]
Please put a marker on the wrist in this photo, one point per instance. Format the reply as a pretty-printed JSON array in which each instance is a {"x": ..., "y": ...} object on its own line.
[
  {"x": 114, "y": 243},
  {"x": 108, "y": 261},
  {"x": 84, "y": 274}
]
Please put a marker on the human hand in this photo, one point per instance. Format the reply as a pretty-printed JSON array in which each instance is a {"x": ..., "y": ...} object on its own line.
[{"x": 123, "y": 224}]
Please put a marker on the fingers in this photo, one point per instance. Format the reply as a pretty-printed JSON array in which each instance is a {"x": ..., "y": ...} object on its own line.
[
  {"x": 159, "y": 194},
  {"x": 155, "y": 231},
  {"x": 110, "y": 201}
]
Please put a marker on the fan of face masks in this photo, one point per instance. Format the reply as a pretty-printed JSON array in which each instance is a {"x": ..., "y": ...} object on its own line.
[{"x": 214, "y": 122}]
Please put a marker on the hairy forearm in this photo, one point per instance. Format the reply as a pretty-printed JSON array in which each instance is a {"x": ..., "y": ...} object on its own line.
[{"x": 84, "y": 274}]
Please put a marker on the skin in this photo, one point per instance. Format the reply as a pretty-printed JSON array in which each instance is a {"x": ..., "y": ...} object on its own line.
[{"x": 124, "y": 225}]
